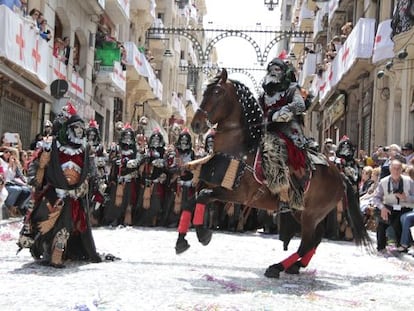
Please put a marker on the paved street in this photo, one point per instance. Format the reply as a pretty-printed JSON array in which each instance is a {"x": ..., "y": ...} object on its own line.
[{"x": 225, "y": 275}]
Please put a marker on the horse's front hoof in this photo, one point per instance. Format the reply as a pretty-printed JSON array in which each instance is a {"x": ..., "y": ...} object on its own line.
[
  {"x": 294, "y": 269},
  {"x": 181, "y": 246},
  {"x": 273, "y": 271},
  {"x": 204, "y": 235}
]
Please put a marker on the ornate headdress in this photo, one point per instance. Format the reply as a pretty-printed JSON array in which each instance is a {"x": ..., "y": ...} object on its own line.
[
  {"x": 184, "y": 140},
  {"x": 156, "y": 139},
  {"x": 92, "y": 133}
]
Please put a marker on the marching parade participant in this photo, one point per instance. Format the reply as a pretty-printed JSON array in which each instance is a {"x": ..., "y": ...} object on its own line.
[
  {"x": 123, "y": 184},
  {"x": 58, "y": 227},
  {"x": 153, "y": 179}
]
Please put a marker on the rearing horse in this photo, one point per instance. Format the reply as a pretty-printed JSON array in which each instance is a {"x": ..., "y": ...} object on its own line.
[{"x": 229, "y": 104}]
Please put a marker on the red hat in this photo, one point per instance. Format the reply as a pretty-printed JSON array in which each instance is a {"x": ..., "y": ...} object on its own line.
[
  {"x": 70, "y": 109},
  {"x": 127, "y": 126},
  {"x": 344, "y": 138},
  {"x": 93, "y": 123},
  {"x": 283, "y": 55},
  {"x": 185, "y": 131}
]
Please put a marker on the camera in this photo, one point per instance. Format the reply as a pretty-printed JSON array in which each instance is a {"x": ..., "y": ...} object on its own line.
[
  {"x": 386, "y": 149},
  {"x": 1, "y": 180}
]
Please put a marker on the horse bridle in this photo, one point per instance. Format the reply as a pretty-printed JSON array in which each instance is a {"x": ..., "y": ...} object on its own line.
[{"x": 209, "y": 114}]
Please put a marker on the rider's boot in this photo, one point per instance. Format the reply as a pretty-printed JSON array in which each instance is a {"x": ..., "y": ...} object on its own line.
[
  {"x": 182, "y": 245},
  {"x": 203, "y": 234}
]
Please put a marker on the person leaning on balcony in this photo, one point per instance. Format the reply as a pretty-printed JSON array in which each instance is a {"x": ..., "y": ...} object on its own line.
[
  {"x": 32, "y": 18},
  {"x": 44, "y": 32},
  {"x": 393, "y": 197},
  {"x": 14, "y": 5},
  {"x": 58, "y": 49}
]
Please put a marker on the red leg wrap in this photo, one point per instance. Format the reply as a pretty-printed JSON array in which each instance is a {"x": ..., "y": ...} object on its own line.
[
  {"x": 185, "y": 220},
  {"x": 290, "y": 260},
  {"x": 307, "y": 258},
  {"x": 199, "y": 214}
]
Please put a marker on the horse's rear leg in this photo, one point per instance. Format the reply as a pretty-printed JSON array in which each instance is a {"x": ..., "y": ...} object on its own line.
[
  {"x": 300, "y": 259},
  {"x": 203, "y": 233}
]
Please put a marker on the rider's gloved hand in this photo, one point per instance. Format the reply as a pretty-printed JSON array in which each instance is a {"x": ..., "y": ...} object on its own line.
[{"x": 282, "y": 115}]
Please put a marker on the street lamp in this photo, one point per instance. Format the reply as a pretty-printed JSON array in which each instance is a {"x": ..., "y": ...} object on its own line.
[{"x": 271, "y": 4}]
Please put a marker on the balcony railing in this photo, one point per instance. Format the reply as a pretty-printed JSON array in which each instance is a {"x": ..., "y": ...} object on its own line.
[
  {"x": 118, "y": 10},
  {"x": 358, "y": 45},
  {"x": 77, "y": 86},
  {"x": 138, "y": 66},
  {"x": 308, "y": 69},
  {"x": 320, "y": 21},
  {"x": 113, "y": 77},
  {"x": 59, "y": 69},
  {"x": 22, "y": 46}
]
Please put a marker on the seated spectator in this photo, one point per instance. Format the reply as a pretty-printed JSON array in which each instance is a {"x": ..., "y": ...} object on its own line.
[
  {"x": 393, "y": 153},
  {"x": 408, "y": 152},
  {"x": 11, "y": 140},
  {"x": 3, "y": 191},
  {"x": 15, "y": 181},
  {"x": 366, "y": 180},
  {"x": 393, "y": 197},
  {"x": 407, "y": 221}
]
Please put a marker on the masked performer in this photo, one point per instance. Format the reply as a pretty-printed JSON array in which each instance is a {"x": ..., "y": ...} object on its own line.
[
  {"x": 58, "y": 227},
  {"x": 284, "y": 148},
  {"x": 123, "y": 181},
  {"x": 98, "y": 178},
  {"x": 153, "y": 179},
  {"x": 203, "y": 234}
]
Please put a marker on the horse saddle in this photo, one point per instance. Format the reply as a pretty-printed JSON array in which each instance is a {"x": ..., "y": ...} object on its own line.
[{"x": 313, "y": 158}]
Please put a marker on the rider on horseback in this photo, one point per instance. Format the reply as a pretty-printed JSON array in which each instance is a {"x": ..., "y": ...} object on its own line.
[{"x": 283, "y": 105}]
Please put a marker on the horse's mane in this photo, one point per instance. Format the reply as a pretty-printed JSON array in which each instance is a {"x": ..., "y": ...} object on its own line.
[{"x": 253, "y": 113}]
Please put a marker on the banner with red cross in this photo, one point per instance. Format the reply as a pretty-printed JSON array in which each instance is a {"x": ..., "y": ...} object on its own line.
[
  {"x": 59, "y": 69},
  {"x": 21, "y": 44},
  {"x": 119, "y": 76},
  {"x": 77, "y": 85},
  {"x": 358, "y": 45}
]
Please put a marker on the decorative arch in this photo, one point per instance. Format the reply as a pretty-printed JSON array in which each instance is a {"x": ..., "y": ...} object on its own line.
[
  {"x": 233, "y": 33},
  {"x": 182, "y": 32},
  {"x": 203, "y": 56}
]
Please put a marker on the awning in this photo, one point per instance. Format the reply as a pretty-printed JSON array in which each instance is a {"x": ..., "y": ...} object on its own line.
[{"x": 5, "y": 70}]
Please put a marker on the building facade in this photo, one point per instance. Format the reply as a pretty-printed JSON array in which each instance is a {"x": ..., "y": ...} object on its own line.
[
  {"x": 101, "y": 58},
  {"x": 355, "y": 67}
]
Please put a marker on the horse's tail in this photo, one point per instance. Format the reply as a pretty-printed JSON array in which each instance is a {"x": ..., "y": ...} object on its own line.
[{"x": 355, "y": 217}]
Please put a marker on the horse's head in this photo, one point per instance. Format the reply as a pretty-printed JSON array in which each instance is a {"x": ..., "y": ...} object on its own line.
[{"x": 216, "y": 104}]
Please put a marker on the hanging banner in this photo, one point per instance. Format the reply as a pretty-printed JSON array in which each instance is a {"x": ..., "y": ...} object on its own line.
[
  {"x": 21, "y": 44},
  {"x": 77, "y": 86},
  {"x": 383, "y": 46}
]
